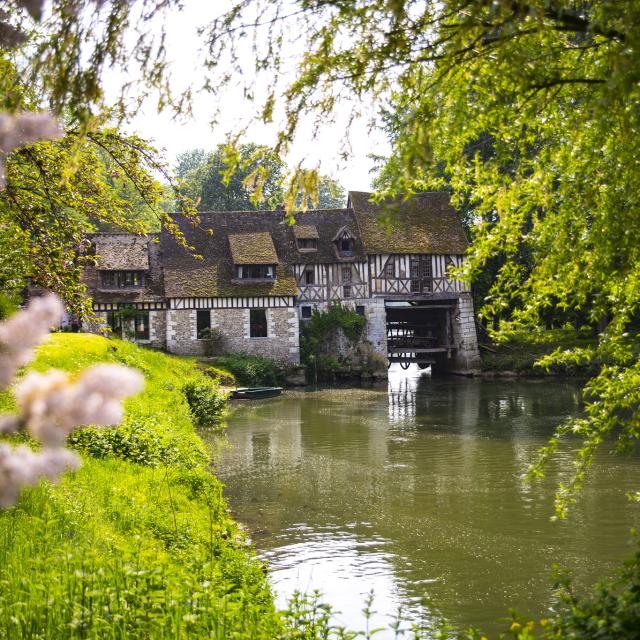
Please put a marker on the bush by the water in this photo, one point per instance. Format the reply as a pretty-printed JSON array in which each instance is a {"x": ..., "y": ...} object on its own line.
[
  {"x": 140, "y": 442},
  {"x": 206, "y": 401},
  {"x": 250, "y": 370},
  {"x": 318, "y": 333}
]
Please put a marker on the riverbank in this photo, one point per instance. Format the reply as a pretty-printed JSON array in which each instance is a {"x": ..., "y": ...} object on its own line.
[
  {"x": 139, "y": 542},
  {"x": 517, "y": 353}
]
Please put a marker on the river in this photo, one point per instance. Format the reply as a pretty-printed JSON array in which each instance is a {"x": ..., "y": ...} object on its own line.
[{"x": 413, "y": 491}]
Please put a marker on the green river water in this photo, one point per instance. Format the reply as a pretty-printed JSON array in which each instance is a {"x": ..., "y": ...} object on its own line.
[{"x": 413, "y": 490}]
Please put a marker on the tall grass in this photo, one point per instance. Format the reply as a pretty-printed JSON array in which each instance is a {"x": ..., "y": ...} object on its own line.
[{"x": 141, "y": 547}]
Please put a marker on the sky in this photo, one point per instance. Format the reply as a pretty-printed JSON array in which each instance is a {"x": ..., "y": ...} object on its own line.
[{"x": 176, "y": 136}]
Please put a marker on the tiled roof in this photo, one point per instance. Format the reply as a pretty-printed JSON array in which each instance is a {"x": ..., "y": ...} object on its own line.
[
  {"x": 121, "y": 251},
  {"x": 252, "y": 248},
  {"x": 214, "y": 275},
  {"x": 423, "y": 223},
  {"x": 305, "y": 232},
  {"x": 328, "y": 223}
]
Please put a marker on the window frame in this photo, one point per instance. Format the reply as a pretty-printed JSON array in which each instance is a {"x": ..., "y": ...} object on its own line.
[
  {"x": 307, "y": 244},
  {"x": 256, "y": 272},
  {"x": 253, "y": 323},
  {"x": 123, "y": 279},
  {"x": 202, "y": 314},
  {"x": 309, "y": 281}
]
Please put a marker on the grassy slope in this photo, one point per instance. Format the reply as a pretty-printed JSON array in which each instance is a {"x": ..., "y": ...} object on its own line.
[{"x": 125, "y": 549}]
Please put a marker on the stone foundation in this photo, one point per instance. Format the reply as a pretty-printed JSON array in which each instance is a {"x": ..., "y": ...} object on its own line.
[
  {"x": 467, "y": 356},
  {"x": 281, "y": 344}
]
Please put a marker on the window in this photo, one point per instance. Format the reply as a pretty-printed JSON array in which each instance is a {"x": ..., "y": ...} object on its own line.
[
  {"x": 415, "y": 286},
  {"x": 203, "y": 323},
  {"x": 360, "y": 310},
  {"x": 449, "y": 263},
  {"x": 346, "y": 275},
  {"x": 114, "y": 320},
  {"x": 309, "y": 277},
  {"x": 346, "y": 291},
  {"x": 390, "y": 269},
  {"x": 257, "y": 272},
  {"x": 123, "y": 279},
  {"x": 141, "y": 329},
  {"x": 346, "y": 246},
  {"x": 305, "y": 313},
  {"x": 308, "y": 244},
  {"x": 257, "y": 323},
  {"x": 415, "y": 268},
  {"x": 426, "y": 268}
]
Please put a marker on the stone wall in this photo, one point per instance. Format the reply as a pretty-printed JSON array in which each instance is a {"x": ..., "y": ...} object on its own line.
[
  {"x": 157, "y": 328},
  {"x": 281, "y": 344},
  {"x": 467, "y": 356}
]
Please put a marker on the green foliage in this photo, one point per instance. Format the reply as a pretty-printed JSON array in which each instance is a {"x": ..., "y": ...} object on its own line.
[
  {"x": 214, "y": 188},
  {"x": 529, "y": 114},
  {"x": 139, "y": 442},
  {"x": 254, "y": 371},
  {"x": 223, "y": 376},
  {"x": 318, "y": 333},
  {"x": 207, "y": 402},
  {"x": 138, "y": 543}
]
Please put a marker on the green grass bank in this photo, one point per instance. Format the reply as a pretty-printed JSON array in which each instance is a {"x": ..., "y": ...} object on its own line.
[{"x": 138, "y": 543}]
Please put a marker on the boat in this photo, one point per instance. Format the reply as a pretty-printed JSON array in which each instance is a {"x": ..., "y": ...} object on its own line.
[{"x": 255, "y": 393}]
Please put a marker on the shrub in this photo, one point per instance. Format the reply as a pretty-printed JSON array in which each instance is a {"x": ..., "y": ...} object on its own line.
[
  {"x": 212, "y": 341},
  {"x": 220, "y": 375},
  {"x": 251, "y": 370},
  {"x": 137, "y": 442},
  {"x": 206, "y": 401}
]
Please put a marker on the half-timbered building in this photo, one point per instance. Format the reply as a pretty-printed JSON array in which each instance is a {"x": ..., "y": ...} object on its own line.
[{"x": 252, "y": 278}]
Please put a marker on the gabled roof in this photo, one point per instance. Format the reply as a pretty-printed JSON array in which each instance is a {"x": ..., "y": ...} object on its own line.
[
  {"x": 214, "y": 275},
  {"x": 328, "y": 224},
  {"x": 423, "y": 223},
  {"x": 125, "y": 252},
  {"x": 252, "y": 248},
  {"x": 305, "y": 232},
  {"x": 121, "y": 252}
]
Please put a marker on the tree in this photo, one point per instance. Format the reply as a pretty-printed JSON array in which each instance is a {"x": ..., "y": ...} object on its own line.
[
  {"x": 555, "y": 85},
  {"x": 56, "y": 191},
  {"x": 210, "y": 183}
]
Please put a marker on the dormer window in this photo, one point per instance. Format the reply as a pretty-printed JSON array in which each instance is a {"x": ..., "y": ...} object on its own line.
[
  {"x": 256, "y": 272},
  {"x": 308, "y": 244},
  {"x": 123, "y": 279},
  {"x": 345, "y": 243},
  {"x": 306, "y": 236},
  {"x": 347, "y": 247}
]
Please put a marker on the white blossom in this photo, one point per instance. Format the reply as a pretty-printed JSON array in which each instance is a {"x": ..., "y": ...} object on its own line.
[
  {"x": 51, "y": 406},
  {"x": 25, "y": 330},
  {"x": 25, "y": 127},
  {"x": 21, "y": 467}
]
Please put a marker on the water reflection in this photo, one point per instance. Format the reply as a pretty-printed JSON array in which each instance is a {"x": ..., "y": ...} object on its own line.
[{"x": 415, "y": 491}]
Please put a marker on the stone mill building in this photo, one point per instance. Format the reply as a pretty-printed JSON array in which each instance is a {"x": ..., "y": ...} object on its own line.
[{"x": 252, "y": 278}]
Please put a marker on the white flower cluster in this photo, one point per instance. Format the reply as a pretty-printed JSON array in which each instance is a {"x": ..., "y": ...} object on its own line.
[
  {"x": 50, "y": 404},
  {"x": 24, "y": 331},
  {"x": 20, "y": 129}
]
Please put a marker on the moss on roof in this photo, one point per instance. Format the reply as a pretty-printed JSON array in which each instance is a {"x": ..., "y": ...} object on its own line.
[
  {"x": 305, "y": 232},
  {"x": 121, "y": 251},
  {"x": 422, "y": 223},
  {"x": 252, "y": 248},
  {"x": 214, "y": 275}
]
